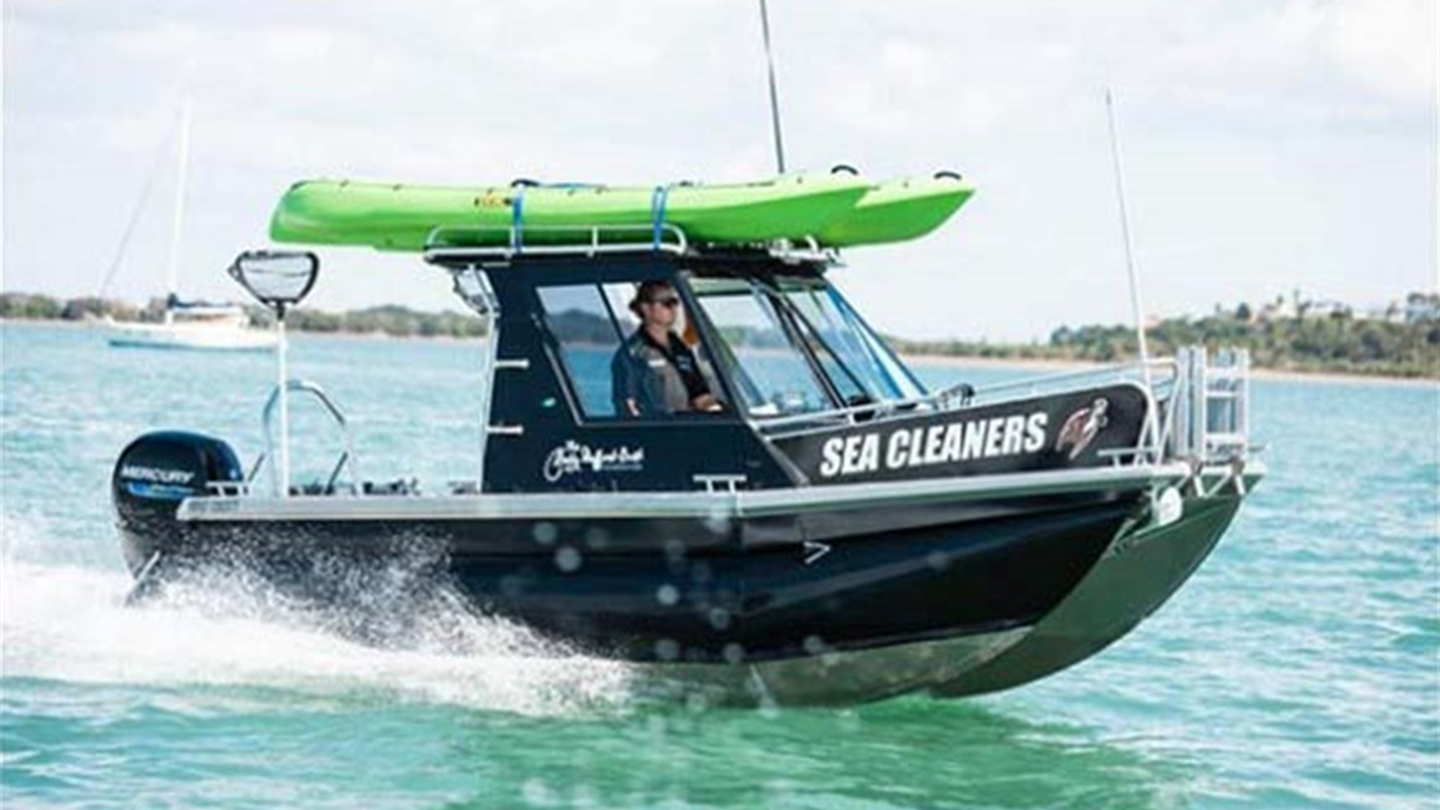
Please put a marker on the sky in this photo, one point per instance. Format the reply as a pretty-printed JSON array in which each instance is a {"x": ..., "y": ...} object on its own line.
[{"x": 1269, "y": 145}]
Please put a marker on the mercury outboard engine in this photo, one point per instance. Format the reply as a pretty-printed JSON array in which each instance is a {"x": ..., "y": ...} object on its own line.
[{"x": 159, "y": 470}]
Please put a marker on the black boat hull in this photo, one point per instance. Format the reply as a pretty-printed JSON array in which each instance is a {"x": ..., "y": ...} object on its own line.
[
  {"x": 717, "y": 596},
  {"x": 1136, "y": 576}
]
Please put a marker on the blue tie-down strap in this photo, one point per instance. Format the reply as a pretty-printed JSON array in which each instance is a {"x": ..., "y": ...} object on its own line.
[
  {"x": 517, "y": 219},
  {"x": 517, "y": 205},
  {"x": 658, "y": 198}
]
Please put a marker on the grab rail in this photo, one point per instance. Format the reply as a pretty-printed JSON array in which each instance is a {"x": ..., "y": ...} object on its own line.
[
  {"x": 965, "y": 395},
  {"x": 347, "y": 456},
  {"x": 1201, "y": 406},
  {"x": 436, "y": 250}
]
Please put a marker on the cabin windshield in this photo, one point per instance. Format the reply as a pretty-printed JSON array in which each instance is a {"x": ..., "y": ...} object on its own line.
[
  {"x": 794, "y": 346},
  {"x": 850, "y": 351}
]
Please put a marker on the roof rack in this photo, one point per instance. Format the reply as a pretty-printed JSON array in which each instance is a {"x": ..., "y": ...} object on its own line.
[
  {"x": 440, "y": 243},
  {"x": 810, "y": 251},
  {"x": 509, "y": 241}
]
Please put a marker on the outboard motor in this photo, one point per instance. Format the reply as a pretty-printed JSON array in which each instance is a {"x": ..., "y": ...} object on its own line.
[{"x": 159, "y": 470}]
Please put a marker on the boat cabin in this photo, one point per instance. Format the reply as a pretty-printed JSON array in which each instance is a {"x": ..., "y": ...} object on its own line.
[
  {"x": 578, "y": 399},
  {"x": 615, "y": 367}
]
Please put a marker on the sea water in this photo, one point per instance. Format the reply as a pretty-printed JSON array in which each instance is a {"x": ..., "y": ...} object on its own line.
[{"x": 1299, "y": 668}]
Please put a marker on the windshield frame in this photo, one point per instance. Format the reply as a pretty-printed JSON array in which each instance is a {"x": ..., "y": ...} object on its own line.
[
  {"x": 877, "y": 363},
  {"x": 772, "y": 285},
  {"x": 754, "y": 399}
]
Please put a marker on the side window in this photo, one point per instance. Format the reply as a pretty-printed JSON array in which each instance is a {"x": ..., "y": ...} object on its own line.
[
  {"x": 620, "y": 295},
  {"x": 579, "y": 319}
]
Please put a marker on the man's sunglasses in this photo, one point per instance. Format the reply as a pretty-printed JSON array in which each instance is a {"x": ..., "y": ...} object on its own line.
[{"x": 670, "y": 302}]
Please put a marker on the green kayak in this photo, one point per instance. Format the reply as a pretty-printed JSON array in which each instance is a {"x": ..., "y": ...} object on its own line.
[
  {"x": 897, "y": 210},
  {"x": 839, "y": 210}
]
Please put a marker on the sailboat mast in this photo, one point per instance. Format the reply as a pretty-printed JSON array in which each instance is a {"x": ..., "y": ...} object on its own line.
[{"x": 172, "y": 272}]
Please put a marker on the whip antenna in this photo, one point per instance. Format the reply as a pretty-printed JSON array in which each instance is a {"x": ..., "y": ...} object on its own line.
[
  {"x": 774, "y": 97},
  {"x": 1136, "y": 307}
]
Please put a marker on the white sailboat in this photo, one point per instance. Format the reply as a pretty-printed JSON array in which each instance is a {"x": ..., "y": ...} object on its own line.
[{"x": 190, "y": 324}]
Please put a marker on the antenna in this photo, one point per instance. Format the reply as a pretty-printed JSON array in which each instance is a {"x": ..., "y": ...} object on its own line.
[
  {"x": 1136, "y": 307},
  {"x": 774, "y": 96}
]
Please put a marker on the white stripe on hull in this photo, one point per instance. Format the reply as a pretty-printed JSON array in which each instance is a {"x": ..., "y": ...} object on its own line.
[{"x": 700, "y": 505}]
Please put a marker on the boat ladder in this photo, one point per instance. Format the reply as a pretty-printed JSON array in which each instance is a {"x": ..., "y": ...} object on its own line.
[{"x": 1212, "y": 421}]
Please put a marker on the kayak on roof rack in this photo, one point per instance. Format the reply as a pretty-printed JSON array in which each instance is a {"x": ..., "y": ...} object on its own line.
[{"x": 832, "y": 210}]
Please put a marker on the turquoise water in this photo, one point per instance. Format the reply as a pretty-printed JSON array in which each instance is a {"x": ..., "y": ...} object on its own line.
[{"x": 1299, "y": 668}]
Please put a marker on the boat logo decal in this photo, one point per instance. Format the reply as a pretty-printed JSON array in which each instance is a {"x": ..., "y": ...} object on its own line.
[
  {"x": 573, "y": 457},
  {"x": 942, "y": 443},
  {"x": 157, "y": 475},
  {"x": 1082, "y": 427}
]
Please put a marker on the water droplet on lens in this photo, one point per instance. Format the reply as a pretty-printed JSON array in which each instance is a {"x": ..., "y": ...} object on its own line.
[
  {"x": 545, "y": 533},
  {"x": 696, "y": 702},
  {"x": 718, "y": 522},
  {"x": 674, "y": 550},
  {"x": 667, "y": 595},
  {"x": 814, "y": 645},
  {"x": 733, "y": 653},
  {"x": 667, "y": 649},
  {"x": 568, "y": 559},
  {"x": 719, "y": 618}
]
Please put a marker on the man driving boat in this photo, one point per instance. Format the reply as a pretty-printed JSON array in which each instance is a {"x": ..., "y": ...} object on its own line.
[{"x": 654, "y": 372}]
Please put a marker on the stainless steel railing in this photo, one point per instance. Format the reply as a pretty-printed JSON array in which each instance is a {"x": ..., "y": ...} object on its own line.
[
  {"x": 1199, "y": 406},
  {"x": 347, "y": 457}
]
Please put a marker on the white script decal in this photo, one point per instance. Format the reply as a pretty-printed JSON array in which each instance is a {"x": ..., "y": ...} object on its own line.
[{"x": 573, "y": 457}]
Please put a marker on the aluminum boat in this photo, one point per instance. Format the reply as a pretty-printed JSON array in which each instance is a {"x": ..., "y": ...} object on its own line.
[{"x": 831, "y": 532}]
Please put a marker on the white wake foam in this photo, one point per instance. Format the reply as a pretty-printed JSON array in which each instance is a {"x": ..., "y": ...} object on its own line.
[{"x": 70, "y": 623}]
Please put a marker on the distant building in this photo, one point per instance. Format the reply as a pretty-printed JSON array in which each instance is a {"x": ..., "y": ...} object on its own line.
[
  {"x": 1325, "y": 309},
  {"x": 1421, "y": 307},
  {"x": 1390, "y": 313},
  {"x": 1278, "y": 310}
]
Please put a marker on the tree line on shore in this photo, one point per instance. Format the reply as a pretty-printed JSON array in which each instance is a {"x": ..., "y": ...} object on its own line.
[
  {"x": 396, "y": 321},
  {"x": 1336, "y": 342}
]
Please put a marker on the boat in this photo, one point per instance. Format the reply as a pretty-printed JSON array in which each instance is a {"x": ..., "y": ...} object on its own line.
[
  {"x": 195, "y": 325},
  {"x": 826, "y": 530}
]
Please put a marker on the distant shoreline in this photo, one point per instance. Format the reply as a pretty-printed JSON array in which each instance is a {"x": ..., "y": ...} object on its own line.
[{"x": 1039, "y": 366}]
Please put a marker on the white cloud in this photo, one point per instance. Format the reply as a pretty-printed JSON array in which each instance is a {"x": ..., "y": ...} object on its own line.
[
  {"x": 1270, "y": 143},
  {"x": 1388, "y": 45}
]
